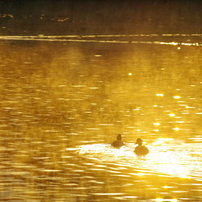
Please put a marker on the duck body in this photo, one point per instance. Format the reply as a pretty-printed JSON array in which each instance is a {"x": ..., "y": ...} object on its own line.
[
  {"x": 118, "y": 143},
  {"x": 140, "y": 149}
]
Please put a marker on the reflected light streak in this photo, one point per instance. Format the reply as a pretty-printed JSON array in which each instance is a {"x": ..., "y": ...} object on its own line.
[
  {"x": 176, "y": 129},
  {"x": 196, "y": 139},
  {"x": 161, "y": 200},
  {"x": 156, "y": 130},
  {"x": 187, "y": 107},
  {"x": 176, "y": 97},
  {"x": 162, "y": 141},
  {"x": 159, "y": 94},
  {"x": 167, "y": 187},
  {"x": 170, "y": 43},
  {"x": 171, "y": 115},
  {"x": 140, "y": 174},
  {"x": 156, "y": 124}
]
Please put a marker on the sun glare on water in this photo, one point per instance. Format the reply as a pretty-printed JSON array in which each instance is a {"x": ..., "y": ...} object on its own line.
[
  {"x": 174, "y": 169},
  {"x": 165, "y": 157},
  {"x": 168, "y": 160},
  {"x": 162, "y": 141}
]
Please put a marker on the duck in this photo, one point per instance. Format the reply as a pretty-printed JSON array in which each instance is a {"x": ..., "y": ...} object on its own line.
[
  {"x": 140, "y": 150},
  {"x": 118, "y": 143}
]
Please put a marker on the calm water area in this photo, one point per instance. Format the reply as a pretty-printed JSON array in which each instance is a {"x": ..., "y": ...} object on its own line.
[{"x": 63, "y": 103}]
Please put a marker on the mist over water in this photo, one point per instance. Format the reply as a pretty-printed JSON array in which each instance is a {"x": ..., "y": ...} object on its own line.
[{"x": 63, "y": 103}]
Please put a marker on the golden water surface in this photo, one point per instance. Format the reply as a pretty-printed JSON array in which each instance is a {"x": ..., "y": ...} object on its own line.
[{"x": 63, "y": 103}]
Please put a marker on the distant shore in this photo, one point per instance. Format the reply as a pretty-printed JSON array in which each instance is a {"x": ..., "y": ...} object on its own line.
[{"x": 168, "y": 39}]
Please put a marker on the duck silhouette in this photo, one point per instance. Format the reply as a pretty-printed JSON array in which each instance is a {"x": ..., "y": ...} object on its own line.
[
  {"x": 118, "y": 143},
  {"x": 140, "y": 149}
]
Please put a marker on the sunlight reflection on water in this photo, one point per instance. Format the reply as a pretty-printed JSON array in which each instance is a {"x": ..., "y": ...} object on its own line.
[
  {"x": 52, "y": 105},
  {"x": 167, "y": 156}
]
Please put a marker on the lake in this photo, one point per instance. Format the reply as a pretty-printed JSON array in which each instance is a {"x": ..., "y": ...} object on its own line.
[{"x": 63, "y": 103}]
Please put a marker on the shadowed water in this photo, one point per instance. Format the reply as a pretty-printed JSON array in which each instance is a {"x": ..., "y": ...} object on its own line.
[{"x": 63, "y": 103}]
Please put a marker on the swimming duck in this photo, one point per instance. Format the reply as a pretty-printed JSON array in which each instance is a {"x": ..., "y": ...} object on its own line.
[
  {"x": 118, "y": 143},
  {"x": 140, "y": 149}
]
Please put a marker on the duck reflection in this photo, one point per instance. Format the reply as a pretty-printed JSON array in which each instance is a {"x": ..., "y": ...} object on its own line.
[
  {"x": 118, "y": 143},
  {"x": 140, "y": 149}
]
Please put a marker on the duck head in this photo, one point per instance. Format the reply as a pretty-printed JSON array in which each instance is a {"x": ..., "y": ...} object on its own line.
[
  {"x": 139, "y": 141},
  {"x": 119, "y": 137}
]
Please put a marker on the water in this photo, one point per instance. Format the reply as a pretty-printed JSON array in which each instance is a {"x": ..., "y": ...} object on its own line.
[{"x": 62, "y": 104}]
